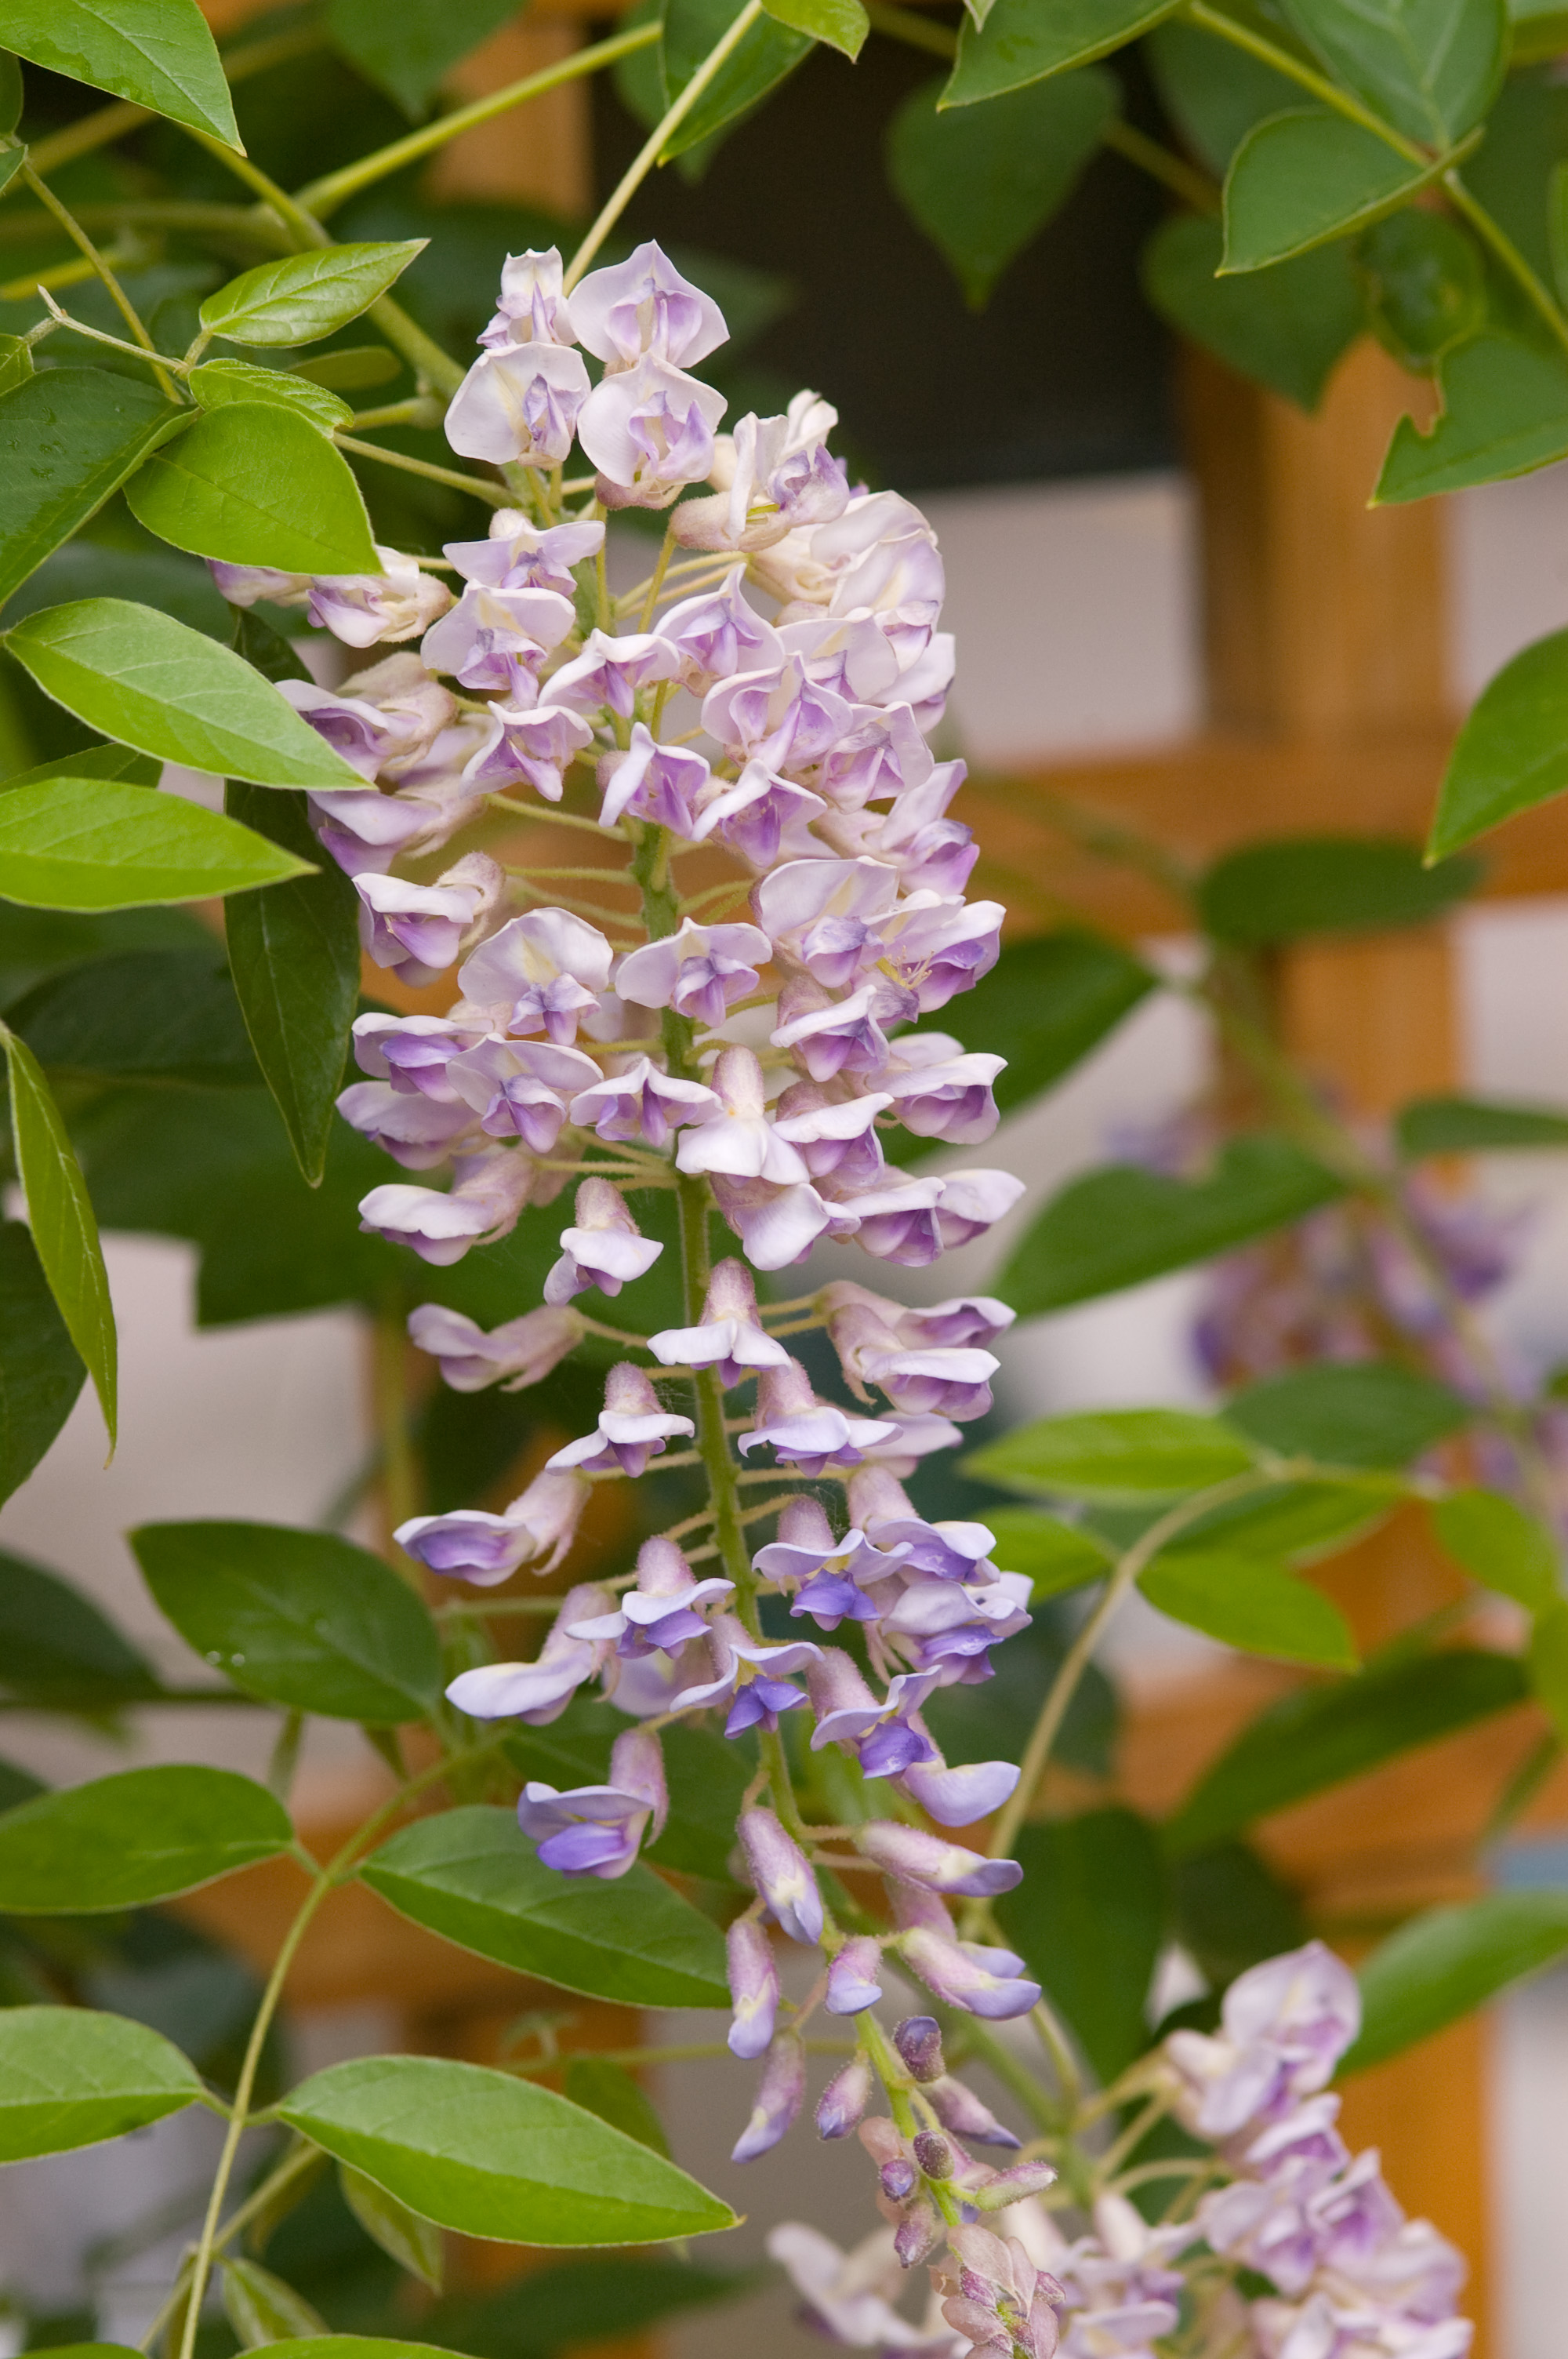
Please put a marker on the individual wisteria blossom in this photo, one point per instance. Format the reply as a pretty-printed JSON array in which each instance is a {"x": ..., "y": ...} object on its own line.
[
  {"x": 603, "y": 1247},
  {"x": 520, "y": 1352},
  {"x": 597, "y": 1830}
]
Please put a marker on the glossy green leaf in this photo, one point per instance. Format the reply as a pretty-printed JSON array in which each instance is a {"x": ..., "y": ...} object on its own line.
[
  {"x": 1267, "y": 893},
  {"x": 983, "y": 186},
  {"x": 92, "y": 762},
  {"x": 1320, "y": 1737},
  {"x": 42, "y": 1371},
  {"x": 1353, "y": 1413},
  {"x": 141, "y": 1835},
  {"x": 69, "y": 438},
  {"x": 842, "y": 24},
  {"x": 148, "y": 681},
  {"x": 693, "y": 28},
  {"x": 607, "y": 2089},
  {"x": 1022, "y": 42},
  {"x": 1249, "y": 1602},
  {"x": 488, "y": 2156},
  {"x": 1446, "y": 1963},
  {"x": 407, "y": 47},
  {"x": 1549, "y": 1663},
  {"x": 1427, "y": 284},
  {"x": 71, "y": 2077},
  {"x": 1513, "y": 752},
  {"x": 1115, "y": 1453},
  {"x": 219, "y": 384},
  {"x": 60, "y": 1216},
  {"x": 1230, "y": 1911},
  {"x": 58, "y": 1651},
  {"x": 1285, "y": 328},
  {"x": 294, "y": 954},
  {"x": 1214, "y": 93},
  {"x": 257, "y": 484},
  {"x": 1301, "y": 1522},
  {"x": 1089, "y": 1922},
  {"x": 150, "y": 1015},
  {"x": 1117, "y": 1226},
  {"x": 157, "y": 53},
  {"x": 473, "y": 1876},
  {"x": 1056, "y": 1556},
  {"x": 300, "y": 1618},
  {"x": 1474, "y": 1126},
  {"x": 99, "y": 844},
  {"x": 411, "y": 2242},
  {"x": 302, "y": 296},
  {"x": 1431, "y": 68},
  {"x": 1499, "y": 1546},
  {"x": 260, "y": 2309},
  {"x": 1504, "y": 412},
  {"x": 11, "y": 93},
  {"x": 1305, "y": 177}
]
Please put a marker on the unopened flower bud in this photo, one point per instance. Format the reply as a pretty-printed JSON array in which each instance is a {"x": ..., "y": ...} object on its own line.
[
  {"x": 922, "y": 1858},
  {"x": 853, "y": 1982},
  {"x": 918, "y": 2041},
  {"x": 781, "y": 1875},
  {"x": 898, "y": 2178},
  {"x": 934, "y": 2154},
  {"x": 753, "y": 1986},
  {"x": 779, "y": 2094},
  {"x": 960, "y": 2110},
  {"x": 917, "y": 2235},
  {"x": 843, "y": 2102},
  {"x": 1025, "y": 2178}
]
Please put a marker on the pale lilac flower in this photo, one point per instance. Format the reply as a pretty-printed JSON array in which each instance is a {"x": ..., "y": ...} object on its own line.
[
  {"x": 853, "y": 1984},
  {"x": 717, "y": 634},
  {"x": 737, "y": 1137},
  {"x": 520, "y": 555},
  {"x": 777, "y": 716},
  {"x": 958, "y": 2109},
  {"x": 917, "y": 1438},
  {"x": 780, "y": 2094},
  {"x": 950, "y": 1381},
  {"x": 962, "y": 1319},
  {"x": 952, "y": 1549},
  {"x": 731, "y": 1338},
  {"x": 983, "y": 1981},
  {"x": 631, "y": 1428},
  {"x": 379, "y": 720},
  {"x": 699, "y": 972},
  {"x": 597, "y": 1830},
  {"x": 754, "y": 1675},
  {"x": 642, "y": 1101},
  {"x": 242, "y": 585},
  {"x": 604, "y": 1248},
  {"x": 924, "y": 1859},
  {"x": 842, "y": 2105},
  {"x": 996, "y": 2298},
  {"x": 831, "y": 1571},
  {"x": 412, "y": 1053},
  {"x": 490, "y": 1191},
  {"x": 1265, "y": 2227},
  {"x": 520, "y": 402},
  {"x": 1303, "y": 2147},
  {"x": 776, "y": 1225},
  {"x": 648, "y": 431},
  {"x": 849, "y": 2296},
  {"x": 836, "y": 1136},
  {"x": 644, "y": 305},
  {"x": 610, "y": 671},
  {"x": 828, "y": 914},
  {"x": 417, "y": 1132},
  {"x": 828, "y": 1036},
  {"x": 360, "y": 828},
  {"x": 945, "y": 1094},
  {"x": 541, "y": 972},
  {"x": 665, "y": 1609},
  {"x": 361, "y": 608},
  {"x": 490, "y": 634},
  {"x": 936, "y": 947},
  {"x": 759, "y": 817},
  {"x": 973, "y": 1201},
  {"x": 536, "y": 1693},
  {"x": 753, "y": 1988},
  {"x": 524, "y": 1350},
  {"x": 520, "y": 1088},
  {"x": 1284, "y": 2026},
  {"x": 532, "y": 310},
  {"x": 882, "y": 754},
  {"x": 419, "y": 929},
  {"x": 883, "y": 1736},
  {"x": 469, "y": 1545},
  {"x": 781, "y": 1873},
  {"x": 956, "y": 1797},
  {"x": 662, "y": 784},
  {"x": 803, "y": 1431},
  {"x": 774, "y": 476},
  {"x": 536, "y": 743},
  {"x": 852, "y": 655},
  {"x": 952, "y": 1625}
]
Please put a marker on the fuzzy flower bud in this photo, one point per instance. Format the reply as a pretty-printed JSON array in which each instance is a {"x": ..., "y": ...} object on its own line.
[
  {"x": 753, "y": 1987},
  {"x": 960, "y": 2110},
  {"x": 941, "y": 1866},
  {"x": 780, "y": 2094},
  {"x": 1005, "y": 2188},
  {"x": 781, "y": 1875},
  {"x": 918, "y": 2039},
  {"x": 853, "y": 1984},
  {"x": 842, "y": 2105},
  {"x": 934, "y": 2154}
]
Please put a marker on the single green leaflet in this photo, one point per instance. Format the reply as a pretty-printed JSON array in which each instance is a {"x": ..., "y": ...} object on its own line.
[
  {"x": 60, "y": 1215},
  {"x": 1267, "y": 893},
  {"x": 1362, "y": 1413},
  {"x": 261, "y": 2307},
  {"x": 1499, "y": 1546},
  {"x": 255, "y": 483},
  {"x": 489, "y": 2155},
  {"x": 1513, "y": 752},
  {"x": 1286, "y": 327},
  {"x": 842, "y": 24},
  {"x": 1125, "y": 1453},
  {"x": 1250, "y": 1603},
  {"x": 1455, "y": 1125},
  {"x": 408, "y": 46},
  {"x": 1431, "y": 68},
  {"x": 218, "y": 383},
  {"x": 766, "y": 53},
  {"x": 1443, "y": 1964},
  {"x": 1305, "y": 176},
  {"x": 58, "y": 1651},
  {"x": 139, "y": 1836},
  {"x": 414, "y": 2244},
  {"x": 69, "y": 438},
  {"x": 1089, "y": 1920},
  {"x": 302, "y": 296},
  {"x": 157, "y": 53},
  {"x": 1504, "y": 412},
  {"x": 73, "y": 2078},
  {"x": 1021, "y": 43},
  {"x": 101, "y": 843},
  {"x": 42, "y": 1371}
]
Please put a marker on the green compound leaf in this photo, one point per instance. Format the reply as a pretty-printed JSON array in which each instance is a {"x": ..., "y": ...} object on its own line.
[
  {"x": 1268, "y": 893},
  {"x": 1320, "y": 1737},
  {"x": 1363, "y": 1413},
  {"x": 1513, "y": 752},
  {"x": 148, "y": 681},
  {"x": 1449, "y": 1962},
  {"x": 98, "y": 844},
  {"x": 1504, "y": 412},
  {"x": 303, "y": 296},
  {"x": 143, "y": 1835},
  {"x": 1249, "y": 1602},
  {"x": 1117, "y": 1226},
  {"x": 1305, "y": 177},
  {"x": 1431, "y": 68},
  {"x": 71, "y": 2078},
  {"x": 1474, "y": 1126},
  {"x": 1022, "y": 42},
  {"x": 1499, "y": 1546},
  {"x": 298, "y": 1618},
  {"x": 1121, "y": 1454},
  {"x": 58, "y": 1651},
  {"x": 65, "y": 1231},
  {"x": 257, "y": 484},
  {"x": 488, "y": 2156},
  {"x": 982, "y": 186},
  {"x": 473, "y": 1876},
  {"x": 69, "y": 438},
  {"x": 1285, "y": 328},
  {"x": 41, "y": 1372},
  {"x": 157, "y": 53},
  {"x": 1089, "y": 1920}
]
